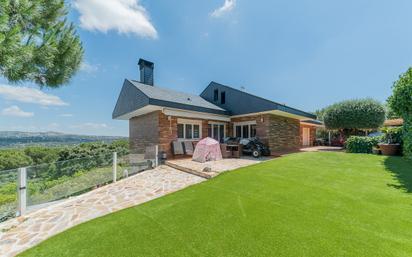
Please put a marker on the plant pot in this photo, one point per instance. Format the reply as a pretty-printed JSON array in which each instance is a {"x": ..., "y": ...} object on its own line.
[
  {"x": 390, "y": 149},
  {"x": 376, "y": 150}
]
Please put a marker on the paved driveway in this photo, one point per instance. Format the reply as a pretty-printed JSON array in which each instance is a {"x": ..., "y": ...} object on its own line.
[{"x": 22, "y": 233}]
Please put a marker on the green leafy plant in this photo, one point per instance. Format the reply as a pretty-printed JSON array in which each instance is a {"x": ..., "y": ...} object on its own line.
[
  {"x": 37, "y": 43},
  {"x": 356, "y": 144},
  {"x": 392, "y": 135},
  {"x": 401, "y": 103}
]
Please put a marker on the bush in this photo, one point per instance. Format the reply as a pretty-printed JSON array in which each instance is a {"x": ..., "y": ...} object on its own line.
[
  {"x": 401, "y": 103},
  {"x": 356, "y": 144},
  {"x": 392, "y": 135},
  {"x": 11, "y": 159},
  {"x": 354, "y": 114}
]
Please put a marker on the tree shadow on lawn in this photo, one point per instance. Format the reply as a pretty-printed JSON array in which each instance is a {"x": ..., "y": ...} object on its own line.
[{"x": 401, "y": 168}]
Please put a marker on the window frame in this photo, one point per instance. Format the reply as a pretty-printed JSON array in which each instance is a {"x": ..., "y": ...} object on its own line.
[
  {"x": 212, "y": 124},
  {"x": 241, "y": 124},
  {"x": 223, "y": 97},
  {"x": 192, "y": 124},
  {"x": 216, "y": 95}
]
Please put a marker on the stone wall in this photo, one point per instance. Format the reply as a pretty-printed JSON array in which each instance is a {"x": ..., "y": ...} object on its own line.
[
  {"x": 279, "y": 133},
  {"x": 283, "y": 133}
]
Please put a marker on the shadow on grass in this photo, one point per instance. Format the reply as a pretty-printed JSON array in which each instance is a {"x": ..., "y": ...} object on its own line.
[{"x": 401, "y": 168}]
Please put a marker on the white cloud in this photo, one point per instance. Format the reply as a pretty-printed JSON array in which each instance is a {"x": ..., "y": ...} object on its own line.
[
  {"x": 88, "y": 68},
  {"x": 67, "y": 115},
  {"x": 15, "y": 111},
  {"x": 90, "y": 125},
  {"x": 124, "y": 16},
  {"x": 30, "y": 95},
  {"x": 225, "y": 8}
]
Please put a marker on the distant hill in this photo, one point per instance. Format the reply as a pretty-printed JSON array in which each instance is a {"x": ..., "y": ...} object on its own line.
[{"x": 14, "y": 139}]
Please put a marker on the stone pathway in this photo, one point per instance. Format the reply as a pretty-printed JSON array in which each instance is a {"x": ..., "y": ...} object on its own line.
[{"x": 21, "y": 233}]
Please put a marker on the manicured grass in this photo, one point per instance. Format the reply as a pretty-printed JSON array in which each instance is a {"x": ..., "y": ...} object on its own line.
[{"x": 308, "y": 204}]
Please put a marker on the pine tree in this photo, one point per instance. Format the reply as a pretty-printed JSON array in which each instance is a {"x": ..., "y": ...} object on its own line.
[{"x": 37, "y": 43}]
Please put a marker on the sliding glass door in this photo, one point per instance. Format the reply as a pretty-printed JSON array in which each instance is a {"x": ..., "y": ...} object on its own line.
[{"x": 216, "y": 131}]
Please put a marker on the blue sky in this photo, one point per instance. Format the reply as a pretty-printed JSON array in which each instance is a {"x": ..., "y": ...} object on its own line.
[{"x": 306, "y": 54}]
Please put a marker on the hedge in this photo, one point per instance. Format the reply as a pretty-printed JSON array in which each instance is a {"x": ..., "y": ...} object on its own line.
[{"x": 356, "y": 144}]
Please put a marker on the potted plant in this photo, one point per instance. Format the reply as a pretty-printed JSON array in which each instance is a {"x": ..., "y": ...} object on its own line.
[{"x": 392, "y": 140}]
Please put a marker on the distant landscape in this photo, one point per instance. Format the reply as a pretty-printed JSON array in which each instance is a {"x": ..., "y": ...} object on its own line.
[{"x": 18, "y": 139}]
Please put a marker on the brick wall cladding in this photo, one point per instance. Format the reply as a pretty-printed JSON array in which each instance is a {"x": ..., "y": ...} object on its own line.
[
  {"x": 279, "y": 133},
  {"x": 156, "y": 128},
  {"x": 143, "y": 132},
  {"x": 167, "y": 133}
]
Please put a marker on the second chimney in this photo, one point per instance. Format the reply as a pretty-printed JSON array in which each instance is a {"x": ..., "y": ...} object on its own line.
[{"x": 146, "y": 72}]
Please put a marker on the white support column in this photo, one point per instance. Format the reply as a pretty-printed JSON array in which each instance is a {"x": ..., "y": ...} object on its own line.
[
  {"x": 22, "y": 190},
  {"x": 330, "y": 138},
  {"x": 114, "y": 167},
  {"x": 156, "y": 155}
]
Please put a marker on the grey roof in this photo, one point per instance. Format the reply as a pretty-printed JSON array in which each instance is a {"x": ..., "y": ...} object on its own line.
[
  {"x": 239, "y": 102},
  {"x": 135, "y": 95},
  {"x": 163, "y": 94}
]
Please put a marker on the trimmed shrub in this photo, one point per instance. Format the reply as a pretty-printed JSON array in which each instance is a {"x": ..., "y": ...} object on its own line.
[
  {"x": 356, "y": 144},
  {"x": 354, "y": 114}
]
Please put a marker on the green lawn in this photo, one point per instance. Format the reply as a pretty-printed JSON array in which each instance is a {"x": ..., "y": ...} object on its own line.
[{"x": 308, "y": 204}]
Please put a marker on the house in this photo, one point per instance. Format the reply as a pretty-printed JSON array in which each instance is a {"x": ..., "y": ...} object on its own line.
[{"x": 158, "y": 116}]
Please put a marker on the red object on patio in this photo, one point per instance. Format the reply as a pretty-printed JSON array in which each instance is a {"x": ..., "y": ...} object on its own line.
[{"x": 207, "y": 149}]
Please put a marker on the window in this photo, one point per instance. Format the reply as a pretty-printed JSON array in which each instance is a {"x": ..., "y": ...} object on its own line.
[
  {"x": 180, "y": 131},
  {"x": 215, "y": 95},
  {"x": 196, "y": 131},
  {"x": 253, "y": 130},
  {"x": 209, "y": 130},
  {"x": 188, "y": 134},
  {"x": 189, "y": 129},
  {"x": 238, "y": 131},
  {"x": 245, "y": 129},
  {"x": 221, "y": 132},
  {"x": 216, "y": 131},
  {"x": 223, "y": 97}
]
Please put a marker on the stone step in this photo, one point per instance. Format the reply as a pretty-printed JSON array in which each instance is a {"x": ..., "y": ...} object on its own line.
[{"x": 206, "y": 175}]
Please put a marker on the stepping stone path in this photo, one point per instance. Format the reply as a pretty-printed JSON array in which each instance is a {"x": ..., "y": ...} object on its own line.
[{"x": 19, "y": 234}]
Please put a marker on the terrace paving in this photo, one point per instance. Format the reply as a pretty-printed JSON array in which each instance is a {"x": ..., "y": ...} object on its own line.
[{"x": 19, "y": 234}]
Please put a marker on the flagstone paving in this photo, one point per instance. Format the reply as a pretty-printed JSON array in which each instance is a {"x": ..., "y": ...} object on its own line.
[{"x": 21, "y": 233}]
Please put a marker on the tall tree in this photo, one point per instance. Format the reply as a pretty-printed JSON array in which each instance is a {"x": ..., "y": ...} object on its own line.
[
  {"x": 37, "y": 43},
  {"x": 401, "y": 103},
  {"x": 353, "y": 115}
]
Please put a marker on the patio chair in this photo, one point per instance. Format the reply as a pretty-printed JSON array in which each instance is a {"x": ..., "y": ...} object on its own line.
[
  {"x": 177, "y": 148},
  {"x": 225, "y": 152},
  {"x": 188, "y": 148}
]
